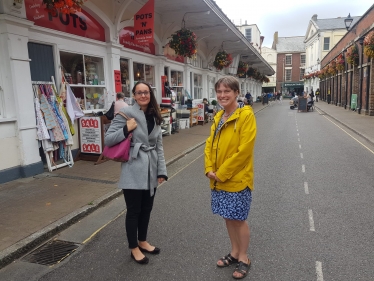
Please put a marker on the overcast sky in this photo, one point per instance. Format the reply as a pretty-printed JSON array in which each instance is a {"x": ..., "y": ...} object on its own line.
[{"x": 288, "y": 17}]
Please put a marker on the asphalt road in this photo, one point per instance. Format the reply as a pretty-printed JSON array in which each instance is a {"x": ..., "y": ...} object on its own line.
[{"x": 312, "y": 216}]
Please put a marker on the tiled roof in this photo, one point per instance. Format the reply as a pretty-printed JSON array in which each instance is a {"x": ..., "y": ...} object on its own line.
[
  {"x": 290, "y": 44},
  {"x": 336, "y": 23}
]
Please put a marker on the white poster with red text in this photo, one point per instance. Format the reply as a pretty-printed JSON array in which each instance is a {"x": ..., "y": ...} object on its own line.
[{"x": 90, "y": 135}]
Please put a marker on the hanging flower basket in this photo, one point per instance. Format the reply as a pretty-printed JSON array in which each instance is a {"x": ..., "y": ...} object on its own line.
[
  {"x": 369, "y": 45},
  {"x": 242, "y": 69},
  {"x": 340, "y": 63},
  {"x": 332, "y": 67},
  {"x": 352, "y": 55},
  {"x": 184, "y": 43},
  {"x": 252, "y": 72},
  {"x": 63, "y": 6},
  {"x": 222, "y": 60}
]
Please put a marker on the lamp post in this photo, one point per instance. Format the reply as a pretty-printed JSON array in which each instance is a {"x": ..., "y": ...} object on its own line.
[
  {"x": 348, "y": 21},
  {"x": 346, "y": 78},
  {"x": 361, "y": 42}
]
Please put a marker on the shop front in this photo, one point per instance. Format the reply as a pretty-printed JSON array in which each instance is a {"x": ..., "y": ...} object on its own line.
[{"x": 292, "y": 87}]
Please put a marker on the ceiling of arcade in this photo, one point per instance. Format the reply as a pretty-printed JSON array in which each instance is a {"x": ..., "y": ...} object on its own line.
[{"x": 213, "y": 30}]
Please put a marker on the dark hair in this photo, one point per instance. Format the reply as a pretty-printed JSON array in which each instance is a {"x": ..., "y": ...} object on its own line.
[
  {"x": 230, "y": 82},
  {"x": 152, "y": 108},
  {"x": 120, "y": 95}
]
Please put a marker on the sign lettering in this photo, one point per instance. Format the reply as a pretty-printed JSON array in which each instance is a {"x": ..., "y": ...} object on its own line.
[
  {"x": 144, "y": 24},
  {"x": 90, "y": 135}
]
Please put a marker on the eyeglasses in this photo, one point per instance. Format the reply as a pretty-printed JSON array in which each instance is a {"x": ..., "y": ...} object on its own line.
[{"x": 146, "y": 93}]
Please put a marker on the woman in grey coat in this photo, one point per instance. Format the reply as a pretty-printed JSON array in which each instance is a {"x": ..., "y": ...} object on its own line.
[{"x": 146, "y": 168}]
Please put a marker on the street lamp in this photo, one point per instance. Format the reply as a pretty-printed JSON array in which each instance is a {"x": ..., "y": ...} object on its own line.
[{"x": 348, "y": 21}]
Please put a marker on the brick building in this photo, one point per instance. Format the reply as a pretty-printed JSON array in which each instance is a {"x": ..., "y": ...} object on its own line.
[
  {"x": 290, "y": 63},
  {"x": 352, "y": 87}
]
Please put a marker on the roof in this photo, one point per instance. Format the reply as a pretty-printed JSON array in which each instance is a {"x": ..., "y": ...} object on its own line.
[
  {"x": 290, "y": 44},
  {"x": 335, "y": 23}
]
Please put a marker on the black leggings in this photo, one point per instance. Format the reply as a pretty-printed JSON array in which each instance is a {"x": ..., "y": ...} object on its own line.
[{"x": 139, "y": 206}]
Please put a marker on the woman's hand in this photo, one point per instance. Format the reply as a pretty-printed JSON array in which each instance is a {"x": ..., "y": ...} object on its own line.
[
  {"x": 211, "y": 175},
  {"x": 131, "y": 124},
  {"x": 160, "y": 180}
]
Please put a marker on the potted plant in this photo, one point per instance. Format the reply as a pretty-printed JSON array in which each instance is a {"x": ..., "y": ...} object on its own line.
[
  {"x": 63, "y": 6},
  {"x": 352, "y": 55},
  {"x": 340, "y": 63},
  {"x": 222, "y": 60},
  {"x": 369, "y": 45},
  {"x": 184, "y": 43},
  {"x": 242, "y": 69}
]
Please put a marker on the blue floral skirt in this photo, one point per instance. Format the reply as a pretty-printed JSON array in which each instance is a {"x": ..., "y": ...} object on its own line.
[{"x": 232, "y": 205}]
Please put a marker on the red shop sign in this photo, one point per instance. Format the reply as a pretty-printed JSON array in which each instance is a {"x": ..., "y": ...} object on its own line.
[
  {"x": 117, "y": 81},
  {"x": 126, "y": 39},
  {"x": 80, "y": 23},
  {"x": 144, "y": 22}
]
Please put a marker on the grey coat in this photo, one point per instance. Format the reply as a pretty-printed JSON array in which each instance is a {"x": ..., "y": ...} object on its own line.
[{"x": 147, "y": 159}]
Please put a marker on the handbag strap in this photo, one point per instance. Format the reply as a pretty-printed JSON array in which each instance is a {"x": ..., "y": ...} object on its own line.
[{"x": 123, "y": 115}]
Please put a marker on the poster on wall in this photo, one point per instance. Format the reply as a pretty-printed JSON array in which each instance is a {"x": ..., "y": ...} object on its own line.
[
  {"x": 200, "y": 112},
  {"x": 90, "y": 135},
  {"x": 144, "y": 22},
  {"x": 126, "y": 39},
  {"x": 80, "y": 23},
  {"x": 117, "y": 81}
]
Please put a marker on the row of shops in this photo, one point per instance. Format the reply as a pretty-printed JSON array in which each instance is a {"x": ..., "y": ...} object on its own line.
[{"x": 95, "y": 53}]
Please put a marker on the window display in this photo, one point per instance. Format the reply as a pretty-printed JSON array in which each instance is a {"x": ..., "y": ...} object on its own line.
[
  {"x": 197, "y": 87},
  {"x": 125, "y": 78},
  {"x": 85, "y": 74},
  {"x": 143, "y": 72},
  {"x": 176, "y": 83}
]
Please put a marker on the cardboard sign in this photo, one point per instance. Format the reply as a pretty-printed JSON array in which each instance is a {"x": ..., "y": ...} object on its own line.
[
  {"x": 90, "y": 135},
  {"x": 80, "y": 23},
  {"x": 117, "y": 81},
  {"x": 144, "y": 21}
]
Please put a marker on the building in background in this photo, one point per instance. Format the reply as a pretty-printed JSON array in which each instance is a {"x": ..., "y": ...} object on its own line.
[
  {"x": 321, "y": 36},
  {"x": 253, "y": 35},
  {"x": 270, "y": 55},
  {"x": 290, "y": 63}
]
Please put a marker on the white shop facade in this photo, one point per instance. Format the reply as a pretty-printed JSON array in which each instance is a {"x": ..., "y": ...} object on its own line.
[{"x": 97, "y": 58}]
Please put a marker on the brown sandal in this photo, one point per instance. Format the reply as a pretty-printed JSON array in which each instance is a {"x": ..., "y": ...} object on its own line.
[
  {"x": 243, "y": 269},
  {"x": 227, "y": 261}
]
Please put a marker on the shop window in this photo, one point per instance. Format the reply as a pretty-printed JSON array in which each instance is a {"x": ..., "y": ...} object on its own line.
[
  {"x": 176, "y": 82},
  {"x": 125, "y": 77},
  {"x": 197, "y": 89},
  {"x": 288, "y": 74},
  {"x": 212, "y": 91},
  {"x": 143, "y": 72},
  {"x": 85, "y": 74},
  {"x": 326, "y": 43},
  {"x": 288, "y": 59}
]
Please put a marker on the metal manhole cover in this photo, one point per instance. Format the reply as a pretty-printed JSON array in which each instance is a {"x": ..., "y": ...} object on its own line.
[{"x": 51, "y": 253}]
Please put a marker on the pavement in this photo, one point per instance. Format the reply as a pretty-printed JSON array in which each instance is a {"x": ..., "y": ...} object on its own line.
[{"x": 32, "y": 210}]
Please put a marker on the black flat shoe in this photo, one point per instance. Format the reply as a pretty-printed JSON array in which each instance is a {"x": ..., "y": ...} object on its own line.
[
  {"x": 155, "y": 251},
  {"x": 144, "y": 260}
]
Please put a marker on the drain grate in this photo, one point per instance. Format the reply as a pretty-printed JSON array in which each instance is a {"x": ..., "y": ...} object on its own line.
[{"x": 51, "y": 253}]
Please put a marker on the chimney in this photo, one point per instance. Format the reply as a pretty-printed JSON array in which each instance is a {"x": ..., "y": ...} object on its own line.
[{"x": 314, "y": 17}]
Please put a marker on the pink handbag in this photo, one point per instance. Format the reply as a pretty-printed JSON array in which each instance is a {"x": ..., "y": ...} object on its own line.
[{"x": 119, "y": 152}]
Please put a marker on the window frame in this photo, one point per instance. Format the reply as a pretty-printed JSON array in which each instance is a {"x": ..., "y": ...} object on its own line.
[
  {"x": 290, "y": 75},
  {"x": 250, "y": 35},
  {"x": 197, "y": 89},
  {"x": 324, "y": 44},
  {"x": 302, "y": 72},
  {"x": 290, "y": 59},
  {"x": 301, "y": 59}
]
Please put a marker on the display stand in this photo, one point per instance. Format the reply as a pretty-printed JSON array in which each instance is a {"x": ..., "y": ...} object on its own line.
[
  {"x": 91, "y": 138},
  {"x": 193, "y": 116},
  {"x": 166, "y": 125},
  {"x": 200, "y": 114},
  {"x": 68, "y": 159}
]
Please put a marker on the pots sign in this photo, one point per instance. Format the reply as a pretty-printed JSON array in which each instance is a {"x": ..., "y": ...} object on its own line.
[{"x": 144, "y": 24}]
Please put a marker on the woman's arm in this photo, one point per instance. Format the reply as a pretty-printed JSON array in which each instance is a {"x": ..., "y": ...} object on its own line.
[{"x": 115, "y": 133}]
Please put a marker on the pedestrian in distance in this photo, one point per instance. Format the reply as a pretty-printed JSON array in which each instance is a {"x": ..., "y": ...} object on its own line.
[
  {"x": 229, "y": 153},
  {"x": 120, "y": 102},
  {"x": 145, "y": 170},
  {"x": 317, "y": 94}
]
